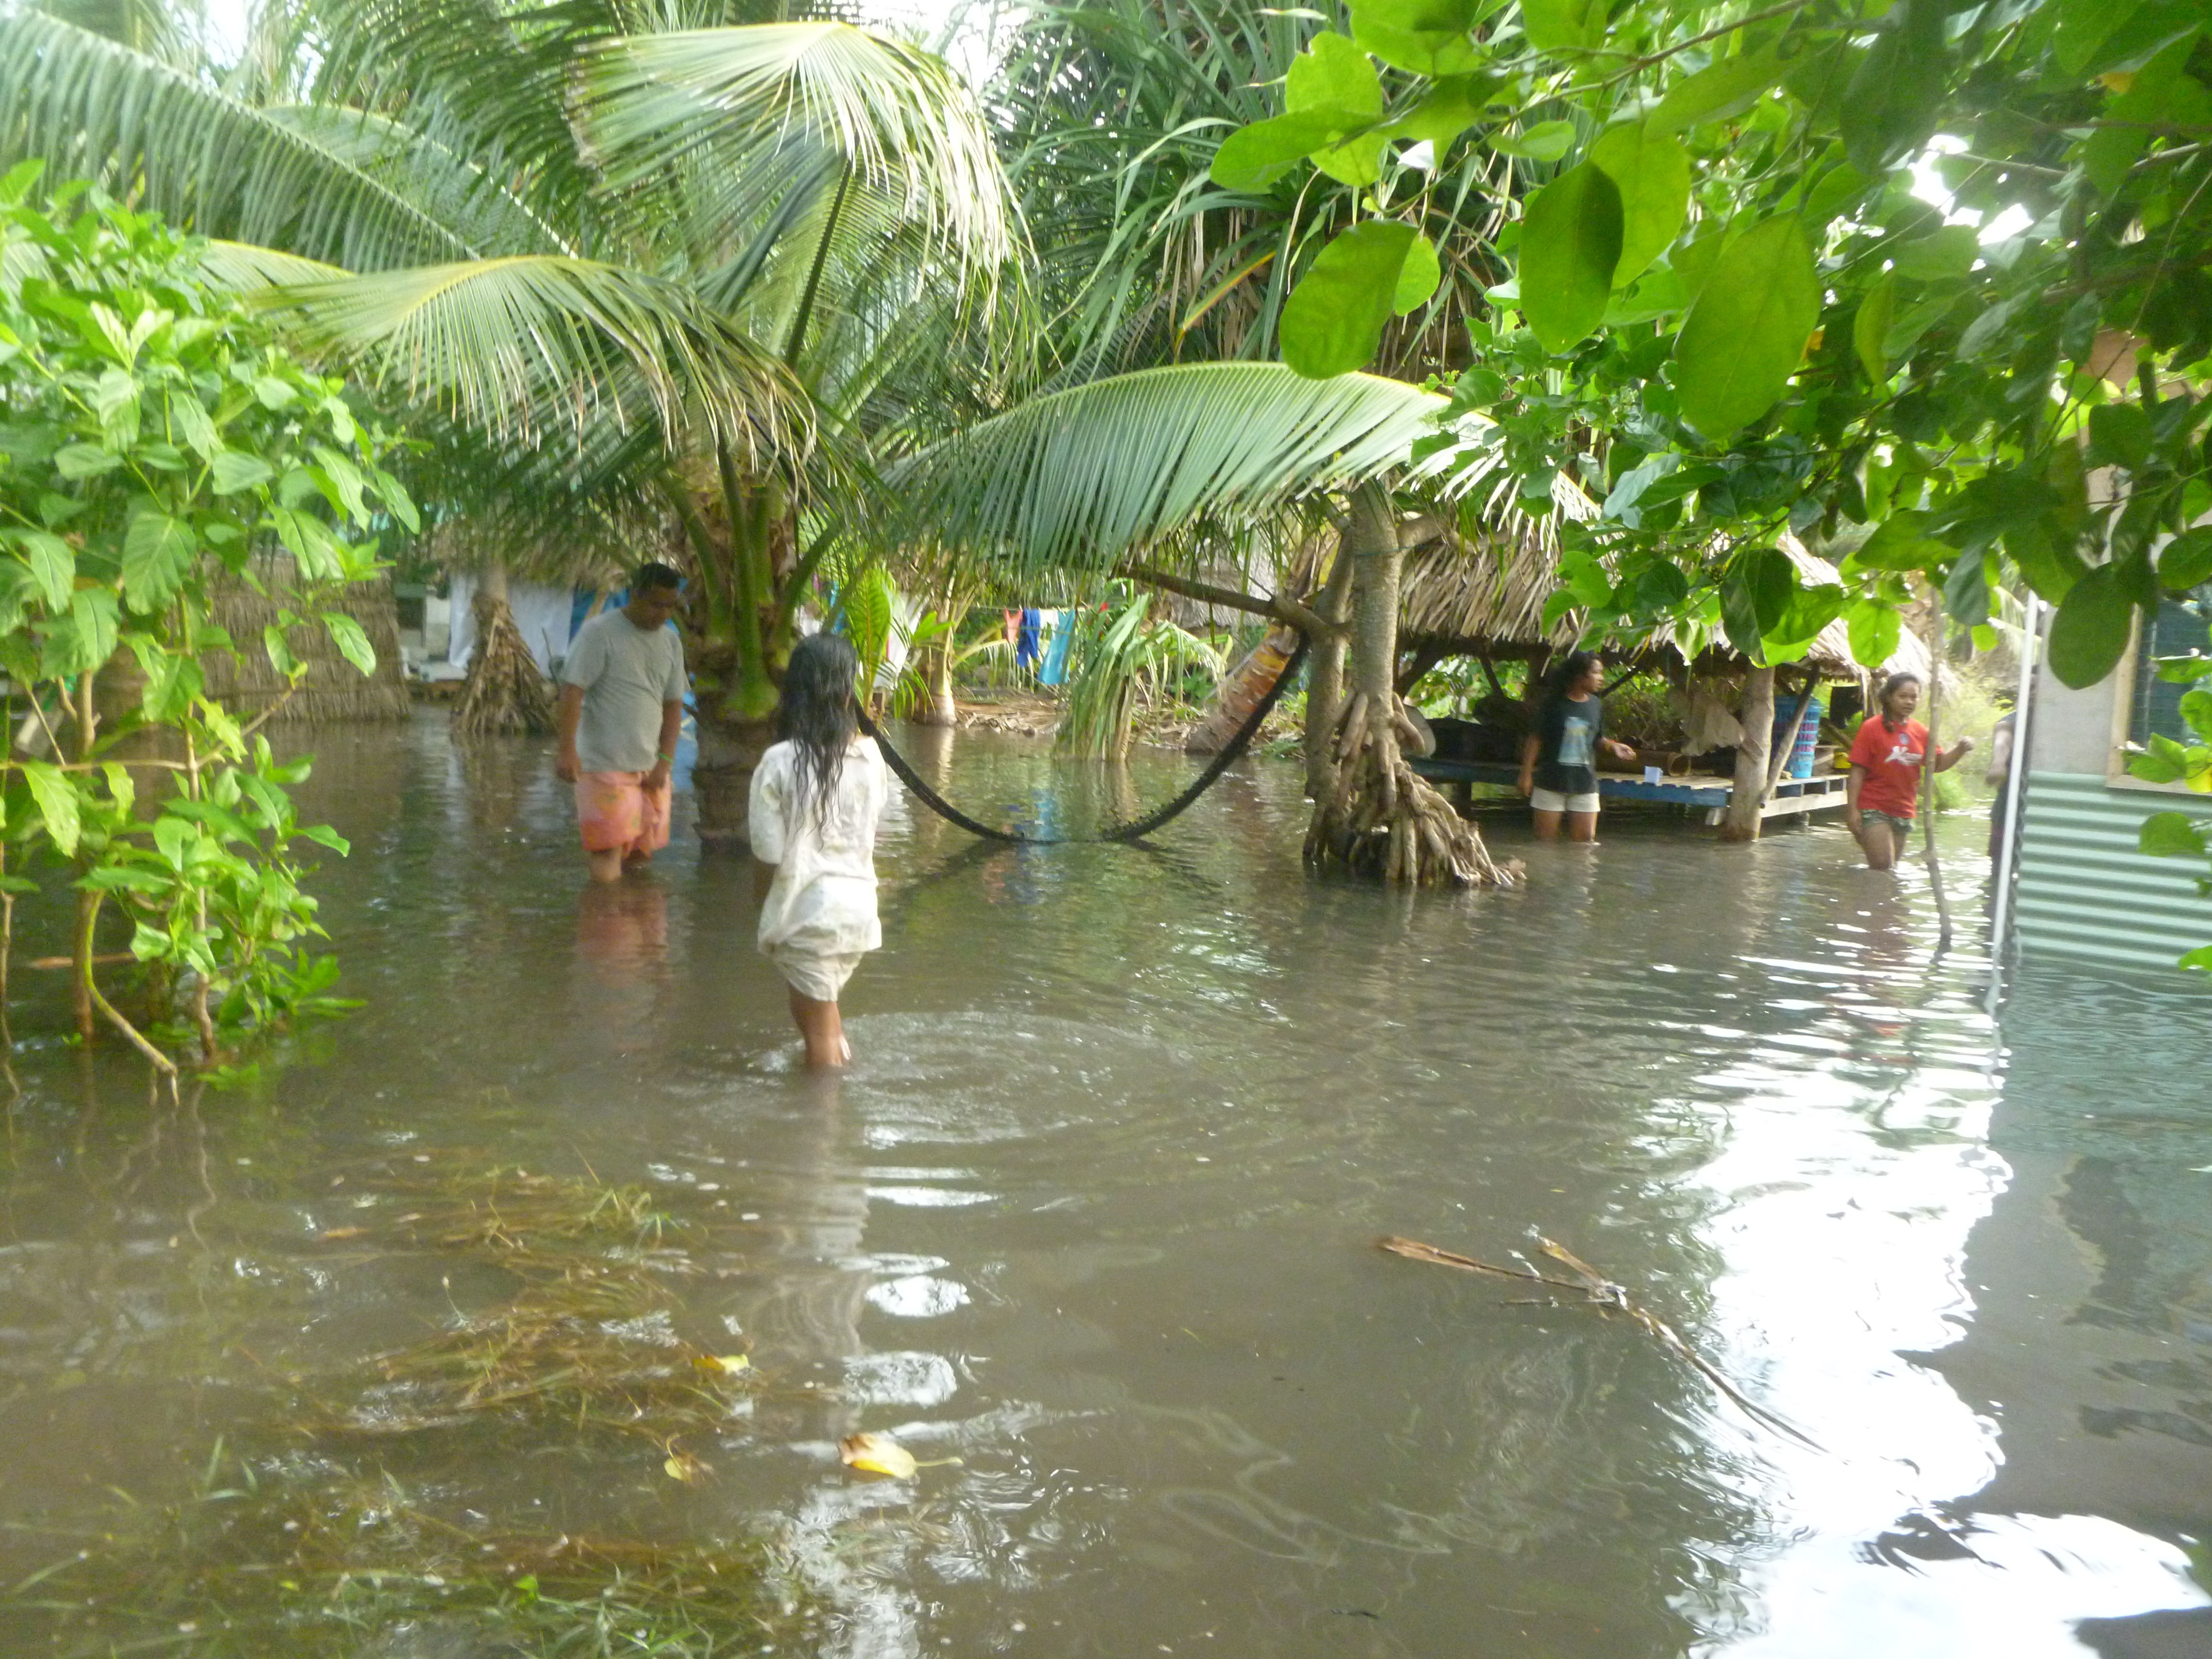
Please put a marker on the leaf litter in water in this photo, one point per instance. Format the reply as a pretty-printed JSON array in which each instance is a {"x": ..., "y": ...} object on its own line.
[{"x": 878, "y": 1454}]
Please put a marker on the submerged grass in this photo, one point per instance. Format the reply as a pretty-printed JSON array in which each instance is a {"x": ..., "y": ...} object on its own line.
[{"x": 356, "y": 1516}]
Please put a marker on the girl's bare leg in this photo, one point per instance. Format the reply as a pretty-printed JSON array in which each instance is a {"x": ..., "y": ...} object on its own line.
[
  {"x": 1547, "y": 824},
  {"x": 818, "y": 1022},
  {"x": 1881, "y": 849},
  {"x": 1581, "y": 826}
]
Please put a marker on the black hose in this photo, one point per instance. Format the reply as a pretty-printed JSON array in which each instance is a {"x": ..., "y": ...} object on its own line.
[{"x": 1135, "y": 828}]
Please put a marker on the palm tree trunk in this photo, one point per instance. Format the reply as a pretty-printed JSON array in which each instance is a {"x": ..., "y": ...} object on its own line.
[
  {"x": 934, "y": 664},
  {"x": 505, "y": 689},
  {"x": 1747, "y": 800},
  {"x": 742, "y": 630},
  {"x": 1378, "y": 817},
  {"x": 1240, "y": 691},
  {"x": 1325, "y": 674}
]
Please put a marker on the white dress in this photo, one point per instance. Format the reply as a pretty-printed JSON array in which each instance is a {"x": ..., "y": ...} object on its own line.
[{"x": 819, "y": 917}]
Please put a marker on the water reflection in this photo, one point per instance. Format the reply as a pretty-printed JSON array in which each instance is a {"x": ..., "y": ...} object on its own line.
[{"x": 1093, "y": 1212}]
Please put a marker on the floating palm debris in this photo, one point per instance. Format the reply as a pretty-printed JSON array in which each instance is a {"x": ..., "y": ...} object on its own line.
[{"x": 1607, "y": 1297}]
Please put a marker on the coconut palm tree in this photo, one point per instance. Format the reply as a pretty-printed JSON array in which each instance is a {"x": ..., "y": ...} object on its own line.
[{"x": 760, "y": 281}]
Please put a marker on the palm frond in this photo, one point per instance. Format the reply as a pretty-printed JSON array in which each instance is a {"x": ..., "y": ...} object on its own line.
[
  {"x": 246, "y": 268},
  {"x": 712, "y": 100},
  {"x": 96, "y": 110},
  {"x": 1080, "y": 477},
  {"x": 519, "y": 346}
]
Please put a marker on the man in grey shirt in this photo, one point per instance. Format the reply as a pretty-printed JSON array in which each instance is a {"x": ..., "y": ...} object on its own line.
[{"x": 622, "y": 707}]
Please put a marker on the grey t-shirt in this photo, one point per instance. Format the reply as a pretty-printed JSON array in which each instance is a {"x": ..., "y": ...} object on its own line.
[{"x": 626, "y": 675}]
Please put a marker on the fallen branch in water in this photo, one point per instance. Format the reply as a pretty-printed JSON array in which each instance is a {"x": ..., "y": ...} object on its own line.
[{"x": 1605, "y": 1297}]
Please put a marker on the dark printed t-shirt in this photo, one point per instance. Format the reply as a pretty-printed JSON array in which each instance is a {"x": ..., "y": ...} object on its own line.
[
  {"x": 1566, "y": 745},
  {"x": 1891, "y": 760}
]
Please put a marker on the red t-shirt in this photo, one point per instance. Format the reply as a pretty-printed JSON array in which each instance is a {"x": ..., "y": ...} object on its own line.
[{"x": 1890, "y": 758}]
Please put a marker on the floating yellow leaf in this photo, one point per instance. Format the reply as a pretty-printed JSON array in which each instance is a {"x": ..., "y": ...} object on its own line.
[
  {"x": 343, "y": 1232},
  {"x": 722, "y": 1364},
  {"x": 682, "y": 1466},
  {"x": 878, "y": 1454}
]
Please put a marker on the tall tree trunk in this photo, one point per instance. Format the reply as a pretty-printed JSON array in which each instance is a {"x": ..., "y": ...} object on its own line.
[
  {"x": 744, "y": 623},
  {"x": 506, "y": 691},
  {"x": 1747, "y": 800},
  {"x": 933, "y": 663},
  {"x": 1241, "y": 691},
  {"x": 1325, "y": 674},
  {"x": 1378, "y": 817}
]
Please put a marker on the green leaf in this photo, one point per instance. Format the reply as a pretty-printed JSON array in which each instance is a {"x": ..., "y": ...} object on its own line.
[
  {"x": 1450, "y": 107},
  {"x": 1745, "y": 335},
  {"x": 1570, "y": 245},
  {"x": 1810, "y": 611},
  {"x": 1769, "y": 580},
  {"x": 233, "y": 470},
  {"x": 324, "y": 836},
  {"x": 1564, "y": 25},
  {"x": 2119, "y": 435},
  {"x": 1902, "y": 541},
  {"x": 1334, "y": 318},
  {"x": 52, "y": 564},
  {"x": 2200, "y": 957},
  {"x": 2083, "y": 26},
  {"x": 1940, "y": 256},
  {"x": 1966, "y": 590},
  {"x": 1546, "y": 141},
  {"x": 1333, "y": 74},
  {"x": 80, "y": 642},
  {"x": 80, "y": 461},
  {"x": 157, "y": 552},
  {"x": 1715, "y": 92},
  {"x": 195, "y": 426},
  {"x": 55, "y": 796},
  {"x": 1418, "y": 278},
  {"x": 2185, "y": 562},
  {"x": 1426, "y": 37},
  {"x": 2091, "y": 628},
  {"x": 1895, "y": 98},
  {"x": 1870, "y": 328},
  {"x": 1253, "y": 157},
  {"x": 351, "y": 640},
  {"x": 1652, "y": 173},
  {"x": 172, "y": 682},
  {"x": 1875, "y": 630},
  {"x": 2161, "y": 96},
  {"x": 2172, "y": 835}
]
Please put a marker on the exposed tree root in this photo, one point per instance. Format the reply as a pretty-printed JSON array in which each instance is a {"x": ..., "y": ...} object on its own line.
[
  {"x": 505, "y": 689},
  {"x": 1381, "y": 819}
]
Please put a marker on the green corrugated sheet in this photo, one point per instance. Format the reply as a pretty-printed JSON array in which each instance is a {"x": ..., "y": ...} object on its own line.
[{"x": 2085, "y": 892}]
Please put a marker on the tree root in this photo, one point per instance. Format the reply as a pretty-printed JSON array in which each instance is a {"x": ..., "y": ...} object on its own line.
[
  {"x": 1382, "y": 818},
  {"x": 506, "y": 691}
]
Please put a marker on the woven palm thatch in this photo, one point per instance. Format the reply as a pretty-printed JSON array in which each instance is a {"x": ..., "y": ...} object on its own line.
[
  {"x": 247, "y": 683},
  {"x": 1487, "y": 599}
]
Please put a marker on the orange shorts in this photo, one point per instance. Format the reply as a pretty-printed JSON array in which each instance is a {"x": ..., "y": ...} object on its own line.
[{"x": 615, "y": 810}]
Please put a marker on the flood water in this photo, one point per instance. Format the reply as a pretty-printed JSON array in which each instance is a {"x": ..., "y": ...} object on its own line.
[{"x": 1094, "y": 1214}]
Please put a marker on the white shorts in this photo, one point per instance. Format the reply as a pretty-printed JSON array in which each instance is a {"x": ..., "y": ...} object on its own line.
[
  {"x": 1551, "y": 800},
  {"x": 817, "y": 974}
]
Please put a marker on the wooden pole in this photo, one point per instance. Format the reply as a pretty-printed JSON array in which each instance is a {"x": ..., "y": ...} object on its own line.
[{"x": 1927, "y": 782}]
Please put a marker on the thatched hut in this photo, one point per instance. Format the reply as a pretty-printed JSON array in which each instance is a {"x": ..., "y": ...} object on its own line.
[{"x": 332, "y": 690}]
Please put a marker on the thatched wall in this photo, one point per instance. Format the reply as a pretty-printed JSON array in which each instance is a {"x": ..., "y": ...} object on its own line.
[{"x": 333, "y": 689}]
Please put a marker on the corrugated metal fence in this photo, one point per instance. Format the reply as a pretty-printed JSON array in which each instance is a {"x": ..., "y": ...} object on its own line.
[{"x": 2085, "y": 892}]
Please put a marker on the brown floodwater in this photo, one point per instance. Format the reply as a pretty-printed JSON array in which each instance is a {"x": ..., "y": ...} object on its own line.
[{"x": 1094, "y": 1214}]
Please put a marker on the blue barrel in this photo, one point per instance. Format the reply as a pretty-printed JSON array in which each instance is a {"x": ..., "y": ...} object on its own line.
[{"x": 1785, "y": 723}]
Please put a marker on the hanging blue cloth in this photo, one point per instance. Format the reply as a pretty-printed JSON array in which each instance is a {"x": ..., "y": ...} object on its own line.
[
  {"x": 1055, "y": 656},
  {"x": 1025, "y": 640}
]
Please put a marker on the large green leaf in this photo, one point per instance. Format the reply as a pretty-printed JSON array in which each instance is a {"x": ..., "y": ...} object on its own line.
[
  {"x": 1875, "y": 630},
  {"x": 1080, "y": 477},
  {"x": 1897, "y": 91},
  {"x": 1652, "y": 170},
  {"x": 1418, "y": 278},
  {"x": 1870, "y": 327},
  {"x": 2091, "y": 628},
  {"x": 2171, "y": 835},
  {"x": 1254, "y": 157},
  {"x": 1334, "y": 320},
  {"x": 1717, "y": 91},
  {"x": 1564, "y": 25},
  {"x": 1747, "y": 333},
  {"x": 1427, "y": 37},
  {"x": 157, "y": 551},
  {"x": 1334, "y": 74},
  {"x": 1570, "y": 246},
  {"x": 55, "y": 798}
]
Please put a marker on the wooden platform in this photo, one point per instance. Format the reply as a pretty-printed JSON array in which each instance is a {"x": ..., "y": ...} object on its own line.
[{"x": 1791, "y": 796}]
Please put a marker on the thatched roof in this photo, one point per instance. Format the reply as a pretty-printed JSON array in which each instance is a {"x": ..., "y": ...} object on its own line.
[{"x": 1487, "y": 599}]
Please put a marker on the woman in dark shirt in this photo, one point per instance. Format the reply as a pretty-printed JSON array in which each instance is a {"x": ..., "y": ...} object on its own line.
[{"x": 1558, "y": 759}]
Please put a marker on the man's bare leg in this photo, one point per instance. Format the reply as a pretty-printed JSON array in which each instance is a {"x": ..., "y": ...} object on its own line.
[{"x": 824, "y": 1031}]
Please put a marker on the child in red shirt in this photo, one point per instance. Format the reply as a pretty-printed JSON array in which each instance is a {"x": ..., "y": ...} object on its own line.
[{"x": 1882, "y": 796}]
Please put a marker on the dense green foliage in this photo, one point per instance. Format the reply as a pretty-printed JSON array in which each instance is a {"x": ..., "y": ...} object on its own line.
[
  {"x": 1737, "y": 311},
  {"x": 155, "y": 442}
]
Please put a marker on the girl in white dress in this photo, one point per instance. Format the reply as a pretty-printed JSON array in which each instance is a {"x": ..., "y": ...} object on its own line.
[{"x": 815, "y": 797}]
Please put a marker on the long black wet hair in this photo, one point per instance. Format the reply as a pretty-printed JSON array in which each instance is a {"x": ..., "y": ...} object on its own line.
[
  {"x": 1903, "y": 677},
  {"x": 817, "y": 716}
]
